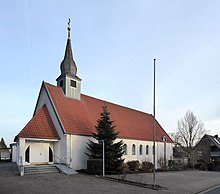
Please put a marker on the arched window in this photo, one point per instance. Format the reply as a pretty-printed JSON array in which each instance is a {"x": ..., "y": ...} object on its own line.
[
  {"x": 50, "y": 155},
  {"x": 27, "y": 155},
  {"x": 147, "y": 149},
  {"x": 140, "y": 150},
  {"x": 133, "y": 149},
  {"x": 125, "y": 149},
  {"x": 153, "y": 150}
]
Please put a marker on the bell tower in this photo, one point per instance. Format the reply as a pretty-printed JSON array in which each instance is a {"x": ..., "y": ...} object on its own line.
[{"x": 68, "y": 80}]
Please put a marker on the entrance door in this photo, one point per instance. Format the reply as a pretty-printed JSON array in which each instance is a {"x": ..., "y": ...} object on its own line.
[{"x": 39, "y": 153}]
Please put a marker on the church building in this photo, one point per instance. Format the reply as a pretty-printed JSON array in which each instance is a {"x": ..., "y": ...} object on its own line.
[{"x": 64, "y": 120}]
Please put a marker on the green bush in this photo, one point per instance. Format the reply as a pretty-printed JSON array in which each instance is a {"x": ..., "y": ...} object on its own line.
[
  {"x": 147, "y": 166},
  {"x": 197, "y": 166},
  {"x": 210, "y": 166},
  {"x": 125, "y": 168},
  {"x": 94, "y": 166},
  {"x": 133, "y": 165},
  {"x": 217, "y": 165},
  {"x": 175, "y": 165},
  {"x": 202, "y": 166}
]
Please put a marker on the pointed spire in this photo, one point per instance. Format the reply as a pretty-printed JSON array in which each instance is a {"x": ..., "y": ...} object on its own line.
[
  {"x": 68, "y": 65},
  {"x": 2, "y": 143}
]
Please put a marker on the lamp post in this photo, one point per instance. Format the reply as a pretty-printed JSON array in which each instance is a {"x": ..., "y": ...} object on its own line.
[
  {"x": 103, "y": 158},
  {"x": 154, "y": 128}
]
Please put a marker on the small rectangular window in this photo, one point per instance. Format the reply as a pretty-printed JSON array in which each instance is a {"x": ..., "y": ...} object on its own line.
[
  {"x": 73, "y": 83},
  {"x": 61, "y": 83},
  {"x": 199, "y": 153}
]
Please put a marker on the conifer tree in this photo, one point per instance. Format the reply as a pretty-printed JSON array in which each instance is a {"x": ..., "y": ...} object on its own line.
[{"x": 105, "y": 130}]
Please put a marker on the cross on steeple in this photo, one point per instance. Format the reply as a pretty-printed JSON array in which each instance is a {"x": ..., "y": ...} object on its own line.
[{"x": 68, "y": 28}]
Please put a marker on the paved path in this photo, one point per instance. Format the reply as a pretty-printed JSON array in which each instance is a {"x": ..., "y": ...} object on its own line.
[
  {"x": 176, "y": 182},
  {"x": 181, "y": 181}
]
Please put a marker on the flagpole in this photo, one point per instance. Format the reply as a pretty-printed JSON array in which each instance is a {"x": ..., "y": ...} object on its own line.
[{"x": 154, "y": 127}]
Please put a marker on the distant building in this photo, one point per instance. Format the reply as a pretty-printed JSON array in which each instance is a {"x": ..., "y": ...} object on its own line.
[
  {"x": 4, "y": 151},
  {"x": 64, "y": 120},
  {"x": 207, "y": 149},
  {"x": 2, "y": 144}
]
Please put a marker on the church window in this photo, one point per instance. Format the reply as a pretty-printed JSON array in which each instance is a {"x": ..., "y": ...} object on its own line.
[
  {"x": 125, "y": 149},
  {"x": 147, "y": 149},
  {"x": 73, "y": 83},
  {"x": 140, "y": 150},
  {"x": 61, "y": 83},
  {"x": 133, "y": 149}
]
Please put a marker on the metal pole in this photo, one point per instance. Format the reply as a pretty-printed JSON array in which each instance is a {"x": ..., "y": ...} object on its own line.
[
  {"x": 103, "y": 158},
  {"x": 154, "y": 126}
]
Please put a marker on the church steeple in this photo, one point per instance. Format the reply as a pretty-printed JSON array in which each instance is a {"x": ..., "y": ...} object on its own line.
[
  {"x": 68, "y": 65},
  {"x": 68, "y": 79}
]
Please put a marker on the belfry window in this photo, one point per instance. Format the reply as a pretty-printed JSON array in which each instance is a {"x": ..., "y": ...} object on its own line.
[
  {"x": 73, "y": 83},
  {"x": 61, "y": 83}
]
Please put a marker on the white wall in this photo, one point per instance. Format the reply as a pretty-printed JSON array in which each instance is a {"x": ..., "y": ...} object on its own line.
[
  {"x": 79, "y": 158},
  {"x": 79, "y": 144},
  {"x": 60, "y": 147},
  {"x": 146, "y": 157},
  {"x": 14, "y": 154}
]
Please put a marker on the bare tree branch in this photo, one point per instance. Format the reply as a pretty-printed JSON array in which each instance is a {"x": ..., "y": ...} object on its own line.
[{"x": 190, "y": 130}]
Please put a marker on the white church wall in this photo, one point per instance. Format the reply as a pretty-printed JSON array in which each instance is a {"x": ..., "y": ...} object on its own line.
[
  {"x": 137, "y": 155},
  {"x": 21, "y": 152},
  {"x": 79, "y": 144},
  {"x": 79, "y": 158},
  {"x": 59, "y": 148}
]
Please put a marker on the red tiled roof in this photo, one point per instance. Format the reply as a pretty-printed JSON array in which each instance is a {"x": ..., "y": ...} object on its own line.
[
  {"x": 80, "y": 117},
  {"x": 40, "y": 126}
]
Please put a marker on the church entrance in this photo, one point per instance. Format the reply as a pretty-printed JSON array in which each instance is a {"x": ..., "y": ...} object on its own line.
[{"x": 40, "y": 153}]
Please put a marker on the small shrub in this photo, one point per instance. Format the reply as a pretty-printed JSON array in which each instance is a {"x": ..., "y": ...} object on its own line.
[
  {"x": 147, "y": 166},
  {"x": 202, "y": 166},
  {"x": 197, "y": 166},
  {"x": 210, "y": 166},
  {"x": 175, "y": 165},
  {"x": 162, "y": 163},
  {"x": 133, "y": 165},
  {"x": 125, "y": 168},
  {"x": 217, "y": 165},
  {"x": 94, "y": 166}
]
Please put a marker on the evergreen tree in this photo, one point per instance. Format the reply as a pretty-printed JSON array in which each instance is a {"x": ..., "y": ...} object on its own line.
[{"x": 105, "y": 130}]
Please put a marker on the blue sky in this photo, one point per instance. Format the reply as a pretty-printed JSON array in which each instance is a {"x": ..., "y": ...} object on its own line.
[{"x": 114, "y": 44}]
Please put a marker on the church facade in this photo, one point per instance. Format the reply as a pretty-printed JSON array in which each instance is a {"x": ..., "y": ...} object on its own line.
[{"x": 64, "y": 120}]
